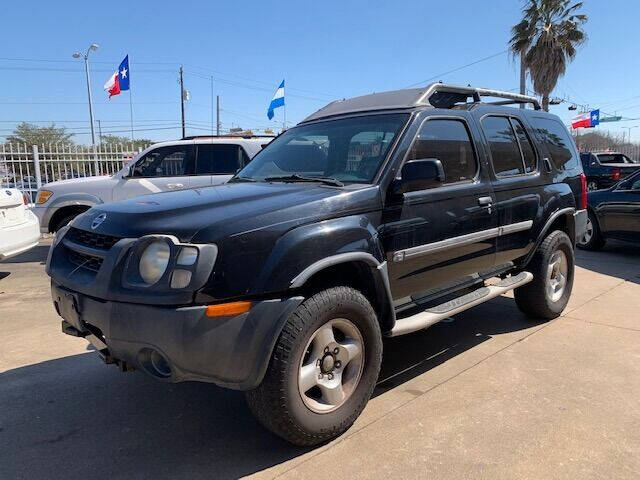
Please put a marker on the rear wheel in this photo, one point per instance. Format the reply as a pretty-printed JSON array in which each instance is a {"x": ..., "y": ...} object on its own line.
[
  {"x": 552, "y": 266},
  {"x": 592, "y": 239},
  {"x": 323, "y": 369}
]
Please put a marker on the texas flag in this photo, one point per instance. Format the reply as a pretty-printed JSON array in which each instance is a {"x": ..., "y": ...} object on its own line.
[
  {"x": 119, "y": 81},
  {"x": 586, "y": 120}
]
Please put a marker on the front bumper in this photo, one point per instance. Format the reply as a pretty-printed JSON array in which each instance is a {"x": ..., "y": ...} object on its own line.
[
  {"x": 44, "y": 217},
  {"x": 580, "y": 222},
  {"x": 19, "y": 238},
  {"x": 232, "y": 352}
]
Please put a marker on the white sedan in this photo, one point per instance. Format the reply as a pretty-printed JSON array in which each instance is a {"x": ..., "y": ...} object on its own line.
[{"x": 19, "y": 227}]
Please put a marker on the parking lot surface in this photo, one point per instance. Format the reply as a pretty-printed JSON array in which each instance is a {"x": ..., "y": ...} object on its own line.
[{"x": 487, "y": 395}]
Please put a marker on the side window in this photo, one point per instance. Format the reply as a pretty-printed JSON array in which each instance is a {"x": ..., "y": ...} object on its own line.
[
  {"x": 218, "y": 159},
  {"x": 449, "y": 142},
  {"x": 172, "y": 161},
  {"x": 505, "y": 153},
  {"x": 556, "y": 138},
  {"x": 528, "y": 153}
]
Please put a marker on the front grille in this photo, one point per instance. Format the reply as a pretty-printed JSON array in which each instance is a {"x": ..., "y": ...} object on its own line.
[
  {"x": 84, "y": 261},
  {"x": 90, "y": 239}
]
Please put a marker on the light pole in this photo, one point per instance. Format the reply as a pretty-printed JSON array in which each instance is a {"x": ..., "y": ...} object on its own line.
[
  {"x": 85, "y": 57},
  {"x": 629, "y": 132}
]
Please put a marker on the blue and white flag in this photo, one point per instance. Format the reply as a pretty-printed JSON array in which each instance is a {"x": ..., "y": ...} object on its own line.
[{"x": 276, "y": 101}]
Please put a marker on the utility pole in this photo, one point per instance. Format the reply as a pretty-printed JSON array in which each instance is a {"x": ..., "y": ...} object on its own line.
[
  {"x": 212, "y": 115},
  {"x": 99, "y": 132},
  {"x": 85, "y": 57},
  {"x": 182, "y": 102},
  {"x": 218, "y": 115}
]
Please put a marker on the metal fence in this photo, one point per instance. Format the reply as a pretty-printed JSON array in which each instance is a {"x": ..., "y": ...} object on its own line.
[
  {"x": 630, "y": 150},
  {"x": 28, "y": 167}
]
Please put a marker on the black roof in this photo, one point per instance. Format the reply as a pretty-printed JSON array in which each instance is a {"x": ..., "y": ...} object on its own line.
[{"x": 437, "y": 95}]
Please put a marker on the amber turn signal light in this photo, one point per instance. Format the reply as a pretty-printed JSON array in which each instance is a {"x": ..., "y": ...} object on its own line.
[{"x": 228, "y": 309}]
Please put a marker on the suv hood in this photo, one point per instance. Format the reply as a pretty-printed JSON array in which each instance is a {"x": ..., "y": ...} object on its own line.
[{"x": 214, "y": 213}]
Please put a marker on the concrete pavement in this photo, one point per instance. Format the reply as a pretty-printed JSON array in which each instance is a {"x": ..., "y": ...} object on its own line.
[{"x": 489, "y": 395}]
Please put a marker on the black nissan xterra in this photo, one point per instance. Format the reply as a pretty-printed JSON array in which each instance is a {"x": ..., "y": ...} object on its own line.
[{"x": 375, "y": 216}]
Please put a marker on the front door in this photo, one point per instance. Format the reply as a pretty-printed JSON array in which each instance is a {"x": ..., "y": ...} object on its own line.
[
  {"x": 439, "y": 238},
  {"x": 159, "y": 170},
  {"x": 620, "y": 213}
]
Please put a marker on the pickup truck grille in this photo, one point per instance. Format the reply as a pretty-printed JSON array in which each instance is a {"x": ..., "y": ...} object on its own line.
[{"x": 90, "y": 239}]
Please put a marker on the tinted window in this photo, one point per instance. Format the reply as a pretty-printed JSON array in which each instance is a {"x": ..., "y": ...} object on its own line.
[
  {"x": 448, "y": 141},
  {"x": 505, "y": 153},
  {"x": 218, "y": 159},
  {"x": 350, "y": 149},
  {"x": 173, "y": 161},
  {"x": 556, "y": 138},
  {"x": 528, "y": 153},
  {"x": 613, "y": 158}
]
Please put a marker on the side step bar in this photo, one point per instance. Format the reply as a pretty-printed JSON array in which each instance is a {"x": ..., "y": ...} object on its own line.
[{"x": 438, "y": 313}]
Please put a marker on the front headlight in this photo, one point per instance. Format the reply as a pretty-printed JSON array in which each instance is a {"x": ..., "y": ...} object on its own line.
[{"x": 154, "y": 261}]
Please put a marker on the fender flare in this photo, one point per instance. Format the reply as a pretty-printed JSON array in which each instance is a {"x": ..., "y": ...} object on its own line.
[
  {"x": 380, "y": 276},
  {"x": 568, "y": 212}
]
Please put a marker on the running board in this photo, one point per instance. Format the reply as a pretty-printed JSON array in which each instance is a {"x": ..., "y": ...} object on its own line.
[{"x": 440, "y": 312}]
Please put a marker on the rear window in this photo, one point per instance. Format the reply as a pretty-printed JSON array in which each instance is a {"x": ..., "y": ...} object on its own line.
[
  {"x": 605, "y": 158},
  {"x": 558, "y": 142},
  {"x": 218, "y": 159}
]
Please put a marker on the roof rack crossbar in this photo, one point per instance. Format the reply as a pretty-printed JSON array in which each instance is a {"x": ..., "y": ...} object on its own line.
[{"x": 475, "y": 93}]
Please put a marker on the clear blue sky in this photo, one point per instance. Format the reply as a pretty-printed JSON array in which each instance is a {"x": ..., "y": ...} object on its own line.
[{"x": 324, "y": 50}]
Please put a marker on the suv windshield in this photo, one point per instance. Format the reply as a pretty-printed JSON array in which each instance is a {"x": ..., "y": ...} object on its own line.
[{"x": 350, "y": 150}]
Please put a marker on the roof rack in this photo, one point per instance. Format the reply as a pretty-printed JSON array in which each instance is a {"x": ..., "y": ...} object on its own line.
[
  {"x": 194, "y": 137},
  {"x": 442, "y": 95}
]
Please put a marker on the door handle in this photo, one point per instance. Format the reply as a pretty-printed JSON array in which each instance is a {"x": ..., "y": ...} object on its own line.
[
  {"x": 175, "y": 185},
  {"x": 485, "y": 201}
]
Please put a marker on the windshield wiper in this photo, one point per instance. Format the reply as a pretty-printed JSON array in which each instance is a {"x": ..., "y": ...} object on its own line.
[
  {"x": 241, "y": 179},
  {"x": 295, "y": 177}
]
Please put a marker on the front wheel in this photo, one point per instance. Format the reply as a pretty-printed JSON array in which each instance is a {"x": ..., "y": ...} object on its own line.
[
  {"x": 552, "y": 266},
  {"x": 323, "y": 369}
]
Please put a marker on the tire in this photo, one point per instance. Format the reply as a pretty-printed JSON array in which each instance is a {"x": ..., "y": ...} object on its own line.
[
  {"x": 536, "y": 299},
  {"x": 64, "y": 222},
  {"x": 593, "y": 239},
  {"x": 307, "y": 418}
]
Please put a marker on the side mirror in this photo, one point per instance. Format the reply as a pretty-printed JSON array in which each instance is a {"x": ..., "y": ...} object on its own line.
[{"x": 419, "y": 175}]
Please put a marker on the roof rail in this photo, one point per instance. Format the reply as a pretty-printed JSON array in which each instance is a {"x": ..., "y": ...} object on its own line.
[{"x": 442, "y": 95}]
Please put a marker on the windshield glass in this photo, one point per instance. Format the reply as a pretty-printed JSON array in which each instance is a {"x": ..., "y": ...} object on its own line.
[{"x": 350, "y": 150}]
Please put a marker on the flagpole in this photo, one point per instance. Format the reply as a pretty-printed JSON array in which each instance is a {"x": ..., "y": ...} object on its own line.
[
  {"x": 131, "y": 112},
  {"x": 284, "y": 111}
]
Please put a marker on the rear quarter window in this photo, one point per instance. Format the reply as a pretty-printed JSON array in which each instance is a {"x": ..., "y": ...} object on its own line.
[{"x": 554, "y": 135}]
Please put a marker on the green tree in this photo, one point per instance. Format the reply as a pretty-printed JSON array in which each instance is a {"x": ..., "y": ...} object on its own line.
[
  {"x": 547, "y": 39},
  {"x": 30, "y": 134},
  {"x": 119, "y": 140}
]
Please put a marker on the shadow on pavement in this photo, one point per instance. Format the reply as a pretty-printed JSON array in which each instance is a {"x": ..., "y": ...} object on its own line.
[
  {"x": 616, "y": 259},
  {"x": 74, "y": 417},
  {"x": 36, "y": 254}
]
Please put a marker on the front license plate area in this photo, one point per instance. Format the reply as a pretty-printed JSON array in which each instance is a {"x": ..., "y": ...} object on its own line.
[{"x": 69, "y": 309}]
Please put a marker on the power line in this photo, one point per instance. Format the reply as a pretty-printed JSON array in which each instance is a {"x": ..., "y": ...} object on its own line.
[{"x": 484, "y": 59}]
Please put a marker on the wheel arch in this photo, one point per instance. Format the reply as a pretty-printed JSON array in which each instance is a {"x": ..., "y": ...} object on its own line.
[
  {"x": 359, "y": 270},
  {"x": 563, "y": 220}
]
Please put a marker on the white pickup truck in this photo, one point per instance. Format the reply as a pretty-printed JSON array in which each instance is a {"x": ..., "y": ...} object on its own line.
[{"x": 183, "y": 164}]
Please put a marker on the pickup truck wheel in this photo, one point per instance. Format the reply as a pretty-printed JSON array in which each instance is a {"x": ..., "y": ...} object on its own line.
[
  {"x": 592, "y": 239},
  {"x": 323, "y": 369},
  {"x": 552, "y": 267}
]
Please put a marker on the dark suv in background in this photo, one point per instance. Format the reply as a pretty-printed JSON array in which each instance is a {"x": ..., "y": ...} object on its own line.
[
  {"x": 375, "y": 216},
  {"x": 605, "y": 169}
]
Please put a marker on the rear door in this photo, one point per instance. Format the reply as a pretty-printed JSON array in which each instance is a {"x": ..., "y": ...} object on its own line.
[
  {"x": 216, "y": 163},
  {"x": 516, "y": 183},
  {"x": 441, "y": 237},
  {"x": 169, "y": 167}
]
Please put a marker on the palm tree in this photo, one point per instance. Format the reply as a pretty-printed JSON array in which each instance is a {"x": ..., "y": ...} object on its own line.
[{"x": 546, "y": 40}]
